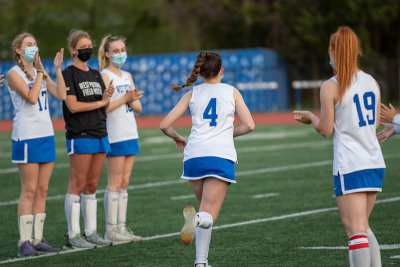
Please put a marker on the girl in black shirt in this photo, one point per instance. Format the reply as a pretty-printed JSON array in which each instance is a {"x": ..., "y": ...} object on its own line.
[{"x": 87, "y": 142}]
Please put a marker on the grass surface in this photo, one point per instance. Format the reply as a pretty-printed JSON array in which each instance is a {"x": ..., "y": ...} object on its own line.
[{"x": 290, "y": 163}]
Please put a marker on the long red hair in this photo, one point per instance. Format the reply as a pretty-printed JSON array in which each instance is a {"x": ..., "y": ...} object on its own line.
[{"x": 345, "y": 47}]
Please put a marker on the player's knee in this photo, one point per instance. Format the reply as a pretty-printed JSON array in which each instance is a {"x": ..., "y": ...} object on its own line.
[
  {"x": 28, "y": 194},
  {"x": 41, "y": 191}
]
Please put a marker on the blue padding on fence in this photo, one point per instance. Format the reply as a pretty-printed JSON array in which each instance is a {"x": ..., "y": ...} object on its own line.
[{"x": 257, "y": 73}]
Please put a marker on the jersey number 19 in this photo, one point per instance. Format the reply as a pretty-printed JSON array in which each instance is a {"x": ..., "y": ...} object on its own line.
[
  {"x": 210, "y": 113},
  {"x": 369, "y": 105}
]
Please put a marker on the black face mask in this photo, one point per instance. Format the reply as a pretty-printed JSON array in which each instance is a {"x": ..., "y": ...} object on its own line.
[{"x": 85, "y": 54}]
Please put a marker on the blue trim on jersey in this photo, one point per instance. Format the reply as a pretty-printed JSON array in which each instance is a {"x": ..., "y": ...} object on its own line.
[
  {"x": 203, "y": 167},
  {"x": 124, "y": 148},
  {"x": 37, "y": 150},
  {"x": 359, "y": 181},
  {"x": 87, "y": 145}
]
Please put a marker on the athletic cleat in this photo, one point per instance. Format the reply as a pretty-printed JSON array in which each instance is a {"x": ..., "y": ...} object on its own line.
[
  {"x": 202, "y": 265},
  {"x": 116, "y": 237},
  {"x": 78, "y": 242},
  {"x": 98, "y": 240},
  {"x": 43, "y": 247},
  {"x": 188, "y": 229},
  {"x": 127, "y": 232},
  {"x": 27, "y": 250}
]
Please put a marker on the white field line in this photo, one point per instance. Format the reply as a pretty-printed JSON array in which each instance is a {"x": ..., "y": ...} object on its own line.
[
  {"x": 270, "y": 219},
  {"x": 318, "y": 144},
  {"x": 242, "y": 173},
  {"x": 265, "y": 195},
  {"x": 183, "y": 197},
  {"x": 383, "y": 247},
  {"x": 395, "y": 257}
]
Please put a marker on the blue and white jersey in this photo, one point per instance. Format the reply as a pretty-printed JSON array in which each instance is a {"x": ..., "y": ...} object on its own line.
[
  {"x": 121, "y": 123},
  {"x": 213, "y": 108},
  {"x": 355, "y": 145},
  {"x": 30, "y": 121}
]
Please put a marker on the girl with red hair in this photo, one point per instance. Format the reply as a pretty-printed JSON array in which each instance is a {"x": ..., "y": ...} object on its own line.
[{"x": 350, "y": 109}]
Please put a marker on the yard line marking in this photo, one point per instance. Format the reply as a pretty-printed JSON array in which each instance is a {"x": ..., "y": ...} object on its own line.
[
  {"x": 395, "y": 257},
  {"x": 265, "y": 195},
  {"x": 383, "y": 247},
  {"x": 285, "y": 168},
  {"x": 275, "y": 218},
  {"x": 183, "y": 197}
]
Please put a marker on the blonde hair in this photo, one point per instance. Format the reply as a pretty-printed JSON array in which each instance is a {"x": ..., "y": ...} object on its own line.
[
  {"x": 104, "y": 62},
  {"x": 346, "y": 50},
  {"x": 74, "y": 37},
  {"x": 208, "y": 65},
  {"x": 16, "y": 44}
]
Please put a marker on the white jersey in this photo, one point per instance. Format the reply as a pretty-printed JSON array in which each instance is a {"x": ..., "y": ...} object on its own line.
[
  {"x": 213, "y": 108},
  {"x": 121, "y": 123},
  {"x": 355, "y": 145},
  {"x": 30, "y": 121}
]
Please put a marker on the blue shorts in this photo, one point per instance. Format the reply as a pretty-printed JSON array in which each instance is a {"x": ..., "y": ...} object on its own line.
[
  {"x": 38, "y": 150},
  {"x": 124, "y": 148},
  {"x": 88, "y": 145},
  {"x": 203, "y": 167},
  {"x": 360, "y": 181}
]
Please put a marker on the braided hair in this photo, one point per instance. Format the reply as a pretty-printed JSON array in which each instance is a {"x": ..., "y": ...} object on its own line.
[
  {"x": 16, "y": 44},
  {"x": 208, "y": 65}
]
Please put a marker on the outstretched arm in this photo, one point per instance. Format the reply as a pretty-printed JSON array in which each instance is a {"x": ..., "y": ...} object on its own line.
[
  {"x": 324, "y": 124},
  {"x": 166, "y": 124}
]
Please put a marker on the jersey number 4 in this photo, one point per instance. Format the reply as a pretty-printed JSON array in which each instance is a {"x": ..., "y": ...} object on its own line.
[
  {"x": 369, "y": 105},
  {"x": 210, "y": 113}
]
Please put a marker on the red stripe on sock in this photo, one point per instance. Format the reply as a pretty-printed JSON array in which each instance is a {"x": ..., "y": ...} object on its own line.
[
  {"x": 358, "y": 246},
  {"x": 358, "y": 236}
]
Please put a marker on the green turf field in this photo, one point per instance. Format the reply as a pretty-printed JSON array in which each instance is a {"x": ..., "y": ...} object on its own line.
[{"x": 281, "y": 209}]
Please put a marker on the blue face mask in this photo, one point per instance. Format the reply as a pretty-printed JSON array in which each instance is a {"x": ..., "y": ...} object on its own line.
[
  {"x": 119, "y": 59},
  {"x": 331, "y": 62},
  {"x": 30, "y": 53}
]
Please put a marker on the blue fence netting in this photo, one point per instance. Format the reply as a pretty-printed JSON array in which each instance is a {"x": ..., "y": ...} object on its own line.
[{"x": 257, "y": 72}]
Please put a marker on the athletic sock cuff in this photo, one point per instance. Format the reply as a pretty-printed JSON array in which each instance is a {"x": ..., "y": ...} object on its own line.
[{"x": 358, "y": 241}]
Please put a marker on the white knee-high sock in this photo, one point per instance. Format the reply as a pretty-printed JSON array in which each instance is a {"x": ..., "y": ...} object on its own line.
[
  {"x": 111, "y": 199},
  {"x": 202, "y": 238},
  {"x": 122, "y": 207},
  {"x": 204, "y": 219},
  {"x": 25, "y": 225},
  {"x": 89, "y": 211},
  {"x": 72, "y": 210},
  {"x": 374, "y": 249},
  {"x": 359, "y": 253},
  {"x": 38, "y": 224}
]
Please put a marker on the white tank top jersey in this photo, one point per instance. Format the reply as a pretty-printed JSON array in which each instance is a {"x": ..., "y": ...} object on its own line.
[
  {"x": 121, "y": 123},
  {"x": 30, "y": 121},
  {"x": 355, "y": 145},
  {"x": 213, "y": 111}
]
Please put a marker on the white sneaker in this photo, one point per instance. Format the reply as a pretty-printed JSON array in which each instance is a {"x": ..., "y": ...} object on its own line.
[
  {"x": 114, "y": 236},
  {"x": 188, "y": 229},
  {"x": 202, "y": 265},
  {"x": 128, "y": 233}
]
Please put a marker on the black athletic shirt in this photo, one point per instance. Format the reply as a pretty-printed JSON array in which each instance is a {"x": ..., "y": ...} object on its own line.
[{"x": 87, "y": 86}]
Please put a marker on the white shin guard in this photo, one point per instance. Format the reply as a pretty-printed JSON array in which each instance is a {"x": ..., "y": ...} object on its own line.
[
  {"x": 25, "y": 225},
  {"x": 71, "y": 206},
  {"x": 202, "y": 238},
  {"x": 359, "y": 252},
  {"x": 374, "y": 249},
  {"x": 111, "y": 199},
  {"x": 89, "y": 211},
  {"x": 38, "y": 225},
  {"x": 122, "y": 207}
]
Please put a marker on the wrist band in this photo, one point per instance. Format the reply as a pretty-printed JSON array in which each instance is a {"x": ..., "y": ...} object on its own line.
[{"x": 40, "y": 71}]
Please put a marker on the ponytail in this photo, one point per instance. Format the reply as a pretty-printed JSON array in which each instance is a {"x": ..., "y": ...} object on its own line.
[
  {"x": 195, "y": 72},
  {"x": 346, "y": 49}
]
